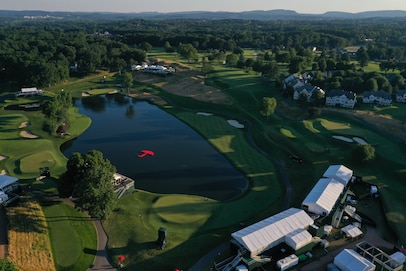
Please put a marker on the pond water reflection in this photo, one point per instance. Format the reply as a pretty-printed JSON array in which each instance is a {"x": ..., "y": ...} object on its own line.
[{"x": 184, "y": 162}]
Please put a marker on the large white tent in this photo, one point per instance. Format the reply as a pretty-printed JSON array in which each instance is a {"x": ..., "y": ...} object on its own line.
[
  {"x": 271, "y": 231},
  {"x": 324, "y": 195},
  {"x": 298, "y": 239},
  {"x": 349, "y": 260},
  {"x": 339, "y": 172}
]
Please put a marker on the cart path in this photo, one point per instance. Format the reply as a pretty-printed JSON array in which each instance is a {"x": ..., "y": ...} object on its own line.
[{"x": 101, "y": 259}]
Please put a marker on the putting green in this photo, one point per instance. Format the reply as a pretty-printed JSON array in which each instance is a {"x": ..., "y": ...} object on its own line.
[
  {"x": 32, "y": 163},
  {"x": 183, "y": 208}
]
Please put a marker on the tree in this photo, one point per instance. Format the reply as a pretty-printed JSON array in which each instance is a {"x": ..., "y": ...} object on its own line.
[
  {"x": 187, "y": 51},
  {"x": 6, "y": 265},
  {"x": 372, "y": 84},
  {"x": 231, "y": 60},
  {"x": 268, "y": 106},
  {"x": 57, "y": 110},
  {"x": 89, "y": 177},
  {"x": 128, "y": 80},
  {"x": 207, "y": 67},
  {"x": 363, "y": 153},
  {"x": 146, "y": 46}
]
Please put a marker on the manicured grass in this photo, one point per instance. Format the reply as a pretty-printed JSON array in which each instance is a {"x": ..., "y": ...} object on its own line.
[
  {"x": 29, "y": 164},
  {"x": 26, "y": 156},
  {"x": 72, "y": 234}
]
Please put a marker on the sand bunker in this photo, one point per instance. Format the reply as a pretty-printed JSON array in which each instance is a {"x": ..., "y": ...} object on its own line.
[
  {"x": 2, "y": 157},
  {"x": 204, "y": 114},
  {"x": 236, "y": 124},
  {"x": 360, "y": 140},
  {"x": 27, "y": 134},
  {"x": 343, "y": 138},
  {"x": 24, "y": 124}
]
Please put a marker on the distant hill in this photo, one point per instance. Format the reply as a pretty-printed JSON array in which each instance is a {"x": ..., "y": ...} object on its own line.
[{"x": 277, "y": 14}]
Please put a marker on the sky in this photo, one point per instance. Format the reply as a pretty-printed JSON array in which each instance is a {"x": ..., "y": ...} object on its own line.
[{"x": 300, "y": 6}]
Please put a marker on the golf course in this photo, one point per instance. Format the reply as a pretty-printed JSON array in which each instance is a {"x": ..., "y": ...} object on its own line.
[{"x": 260, "y": 149}]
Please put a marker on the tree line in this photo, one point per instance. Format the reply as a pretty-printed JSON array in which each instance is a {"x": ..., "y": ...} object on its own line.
[{"x": 43, "y": 53}]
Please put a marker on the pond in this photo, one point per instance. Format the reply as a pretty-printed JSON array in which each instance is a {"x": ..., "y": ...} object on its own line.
[{"x": 183, "y": 161}]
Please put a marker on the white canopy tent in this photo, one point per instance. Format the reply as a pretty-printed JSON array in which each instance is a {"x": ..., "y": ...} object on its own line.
[
  {"x": 298, "y": 239},
  {"x": 339, "y": 172},
  {"x": 322, "y": 198},
  {"x": 349, "y": 260},
  {"x": 271, "y": 231},
  {"x": 351, "y": 231}
]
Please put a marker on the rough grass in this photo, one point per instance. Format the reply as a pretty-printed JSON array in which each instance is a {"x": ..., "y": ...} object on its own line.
[{"x": 29, "y": 244}]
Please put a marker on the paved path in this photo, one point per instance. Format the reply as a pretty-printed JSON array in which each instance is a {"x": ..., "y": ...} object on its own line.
[{"x": 101, "y": 261}]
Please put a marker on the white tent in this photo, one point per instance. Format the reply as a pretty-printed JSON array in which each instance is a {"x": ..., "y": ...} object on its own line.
[
  {"x": 351, "y": 231},
  {"x": 271, "y": 231},
  {"x": 6, "y": 180},
  {"x": 339, "y": 172},
  {"x": 298, "y": 239},
  {"x": 349, "y": 260},
  {"x": 323, "y": 196}
]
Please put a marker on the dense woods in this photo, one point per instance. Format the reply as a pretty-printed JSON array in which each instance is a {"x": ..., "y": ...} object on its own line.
[{"x": 44, "y": 52}]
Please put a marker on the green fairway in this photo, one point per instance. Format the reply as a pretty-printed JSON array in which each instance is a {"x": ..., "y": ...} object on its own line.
[{"x": 73, "y": 238}]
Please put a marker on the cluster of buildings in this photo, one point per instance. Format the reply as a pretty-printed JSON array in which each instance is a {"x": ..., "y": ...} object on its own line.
[
  {"x": 301, "y": 85},
  {"x": 24, "y": 92},
  {"x": 288, "y": 237},
  {"x": 154, "y": 69}
]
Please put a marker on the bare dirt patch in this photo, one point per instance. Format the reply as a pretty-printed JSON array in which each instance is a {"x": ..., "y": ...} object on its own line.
[
  {"x": 24, "y": 124},
  {"x": 28, "y": 134},
  {"x": 383, "y": 123},
  {"x": 186, "y": 83}
]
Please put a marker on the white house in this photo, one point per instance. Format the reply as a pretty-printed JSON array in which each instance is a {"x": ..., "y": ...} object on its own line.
[
  {"x": 340, "y": 173},
  {"x": 379, "y": 97},
  {"x": 401, "y": 96},
  {"x": 271, "y": 231},
  {"x": 345, "y": 99},
  {"x": 323, "y": 196},
  {"x": 309, "y": 90},
  {"x": 349, "y": 260}
]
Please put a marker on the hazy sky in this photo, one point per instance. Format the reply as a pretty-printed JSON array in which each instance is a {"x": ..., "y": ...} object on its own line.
[{"x": 301, "y": 6}]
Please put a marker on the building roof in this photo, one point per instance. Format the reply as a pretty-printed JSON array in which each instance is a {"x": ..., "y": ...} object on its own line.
[
  {"x": 339, "y": 172},
  {"x": 352, "y": 231},
  {"x": 349, "y": 260},
  {"x": 324, "y": 195},
  {"x": 6, "y": 180},
  {"x": 298, "y": 239},
  {"x": 271, "y": 231},
  {"x": 340, "y": 92}
]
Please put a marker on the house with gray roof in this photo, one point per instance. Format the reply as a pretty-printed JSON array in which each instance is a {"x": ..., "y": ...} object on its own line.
[
  {"x": 343, "y": 98},
  {"x": 307, "y": 89},
  {"x": 401, "y": 96},
  {"x": 379, "y": 97}
]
